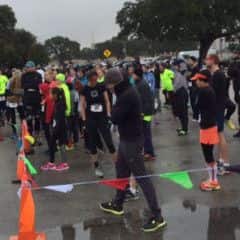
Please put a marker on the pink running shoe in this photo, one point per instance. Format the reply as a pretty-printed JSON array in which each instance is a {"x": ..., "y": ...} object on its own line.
[
  {"x": 49, "y": 167},
  {"x": 62, "y": 167}
]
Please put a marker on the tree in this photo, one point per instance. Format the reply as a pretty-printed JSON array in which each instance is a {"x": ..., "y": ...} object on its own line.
[
  {"x": 17, "y": 45},
  {"x": 203, "y": 21},
  {"x": 7, "y": 21},
  {"x": 62, "y": 48},
  {"x": 7, "y": 25},
  {"x": 38, "y": 54},
  {"x": 23, "y": 42},
  {"x": 88, "y": 54}
]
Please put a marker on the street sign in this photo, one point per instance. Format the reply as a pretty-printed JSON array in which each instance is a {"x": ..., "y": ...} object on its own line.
[{"x": 107, "y": 53}]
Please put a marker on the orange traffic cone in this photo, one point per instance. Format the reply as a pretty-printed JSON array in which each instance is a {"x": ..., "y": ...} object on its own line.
[
  {"x": 27, "y": 218},
  {"x": 21, "y": 168}
]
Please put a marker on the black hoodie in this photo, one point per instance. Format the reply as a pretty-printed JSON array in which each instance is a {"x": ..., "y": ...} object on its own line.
[{"x": 127, "y": 112}]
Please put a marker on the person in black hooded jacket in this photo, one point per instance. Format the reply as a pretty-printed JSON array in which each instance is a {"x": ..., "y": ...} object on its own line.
[{"x": 127, "y": 114}]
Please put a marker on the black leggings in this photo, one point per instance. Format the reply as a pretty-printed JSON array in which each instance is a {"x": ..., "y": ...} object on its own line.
[
  {"x": 2, "y": 112},
  {"x": 96, "y": 127},
  {"x": 73, "y": 129},
  {"x": 180, "y": 107},
  {"x": 208, "y": 153},
  {"x": 230, "y": 107},
  {"x": 11, "y": 116},
  {"x": 33, "y": 117}
]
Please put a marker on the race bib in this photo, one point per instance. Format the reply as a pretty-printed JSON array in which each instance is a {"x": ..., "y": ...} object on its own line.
[
  {"x": 12, "y": 105},
  {"x": 190, "y": 84},
  {"x": 2, "y": 98},
  {"x": 97, "y": 108}
]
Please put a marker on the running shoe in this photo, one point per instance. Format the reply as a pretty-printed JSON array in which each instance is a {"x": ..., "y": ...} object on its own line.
[
  {"x": 101, "y": 151},
  {"x": 99, "y": 173},
  {"x": 222, "y": 170},
  {"x": 178, "y": 130},
  {"x": 195, "y": 120},
  {"x": 237, "y": 135},
  {"x": 112, "y": 208},
  {"x": 154, "y": 225},
  {"x": 62, "y": 167},
  {"x": 221, "y": 166},
  {"x": 130, "y": 196},
  {"x": 148, "y": 157},
  {"x": 209, "y": 186},
  {"x": 49, "y": 167},
  {"x": 230, "y": 124},
  {"x": 182, "y": 133},
  {"x": 69, "y": 147}
]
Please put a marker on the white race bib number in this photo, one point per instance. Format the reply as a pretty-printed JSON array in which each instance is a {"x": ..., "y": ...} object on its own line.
[
  {"x": 97, "y": 108},
  {"x": 2, "y": 98},
  {"x": 12, "y": 105}
]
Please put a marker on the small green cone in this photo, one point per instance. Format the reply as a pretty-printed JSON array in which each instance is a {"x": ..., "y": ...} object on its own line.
[
  {"x": 31, "y": 168},
  {"x": 181, "y": 178}
]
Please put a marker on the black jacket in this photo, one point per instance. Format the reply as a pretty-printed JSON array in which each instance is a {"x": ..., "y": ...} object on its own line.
[
  {"x": 127, "y": 112},
  {"x": 30, "y": 83},
  {"x": 59, "y": 122},
  {"x": 146, "y": 96}
]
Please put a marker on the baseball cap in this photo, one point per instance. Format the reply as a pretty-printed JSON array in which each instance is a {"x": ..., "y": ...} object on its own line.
[
  {"x": 204, "y": 75},
  {"x": 61, "y": 77},
  {"x": 30, "y": 64}
]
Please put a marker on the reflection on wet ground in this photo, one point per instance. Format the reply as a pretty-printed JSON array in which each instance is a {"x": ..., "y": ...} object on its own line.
[{"x": 186, "y": 221}]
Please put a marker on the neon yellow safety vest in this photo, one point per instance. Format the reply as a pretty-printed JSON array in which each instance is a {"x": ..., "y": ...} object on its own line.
[
  {"x": 67, "y": 95},
  {"x": 167, "y": 80},
  {"x": 3, "y": 84}
]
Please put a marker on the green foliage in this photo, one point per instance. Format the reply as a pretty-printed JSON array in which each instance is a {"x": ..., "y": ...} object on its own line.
[
  {"x": 38, "y": 54},
  {"x": 62, "y": 48},
  {"x": 135, "y": 47},
  {"x": 17, "y": 45},
  {"x": 182, "y": 20},
  {"x": 89, "y": 54},
  {"x": 7, "y": 20}
]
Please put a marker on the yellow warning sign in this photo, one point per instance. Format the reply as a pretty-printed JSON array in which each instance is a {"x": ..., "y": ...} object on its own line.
[{"x": 107, "y": 53}]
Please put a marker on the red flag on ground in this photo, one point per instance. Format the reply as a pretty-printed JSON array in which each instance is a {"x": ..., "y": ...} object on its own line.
[{"x": 119, "y": 184}]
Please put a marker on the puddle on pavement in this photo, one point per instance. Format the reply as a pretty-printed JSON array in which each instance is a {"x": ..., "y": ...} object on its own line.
[{"x": 186, "y": 221}]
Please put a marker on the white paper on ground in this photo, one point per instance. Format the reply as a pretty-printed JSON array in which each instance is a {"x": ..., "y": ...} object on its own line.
[{"x": 60, "y": 188}]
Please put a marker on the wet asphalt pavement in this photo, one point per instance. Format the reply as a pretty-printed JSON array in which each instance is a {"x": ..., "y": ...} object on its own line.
[{"x": 191, "y": 214}]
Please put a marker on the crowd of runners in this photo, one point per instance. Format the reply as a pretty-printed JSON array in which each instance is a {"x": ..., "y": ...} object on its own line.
[{"x": 88, "y": 103}]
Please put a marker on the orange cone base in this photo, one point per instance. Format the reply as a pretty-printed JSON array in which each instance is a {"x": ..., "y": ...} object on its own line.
[{"x": 26, "y": 236}]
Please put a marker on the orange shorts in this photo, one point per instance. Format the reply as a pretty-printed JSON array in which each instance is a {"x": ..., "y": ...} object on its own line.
[{"x": 209, "y": 136}]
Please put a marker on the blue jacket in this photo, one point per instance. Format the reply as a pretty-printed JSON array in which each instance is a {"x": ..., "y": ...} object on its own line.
[
  {"x": 84, "y": 81},
  {"x": 150, "y": 79}
]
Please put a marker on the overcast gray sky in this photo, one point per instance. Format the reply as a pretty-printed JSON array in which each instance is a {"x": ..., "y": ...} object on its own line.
[{"x": 82, "y": 20}]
